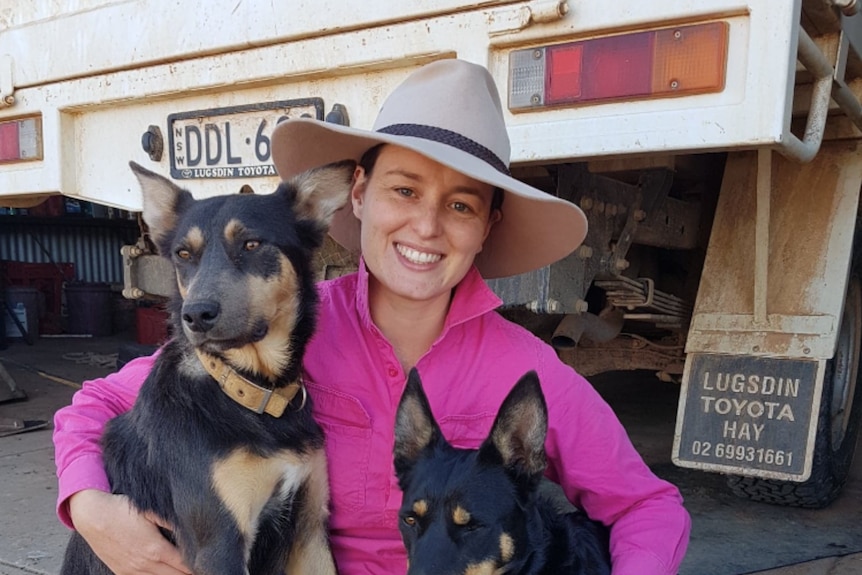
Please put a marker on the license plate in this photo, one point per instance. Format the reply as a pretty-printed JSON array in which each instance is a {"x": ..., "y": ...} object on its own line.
[
  {"x": 752, "y": 416},
  {"x": 231, "y": 142}
]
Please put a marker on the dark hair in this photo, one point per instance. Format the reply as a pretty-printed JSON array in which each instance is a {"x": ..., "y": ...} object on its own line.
[{"x": 369, "y": 158}]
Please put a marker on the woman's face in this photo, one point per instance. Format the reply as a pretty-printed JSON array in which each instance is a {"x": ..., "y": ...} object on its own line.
[{"x": 422, "y": 224}]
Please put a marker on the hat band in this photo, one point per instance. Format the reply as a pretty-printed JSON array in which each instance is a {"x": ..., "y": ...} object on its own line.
[{"x": 450, "y": 138}]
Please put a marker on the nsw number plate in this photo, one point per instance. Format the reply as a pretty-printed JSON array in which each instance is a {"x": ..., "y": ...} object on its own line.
[
  {"x": 751, "y": 416},
  {"x": 231, "y": 142}
]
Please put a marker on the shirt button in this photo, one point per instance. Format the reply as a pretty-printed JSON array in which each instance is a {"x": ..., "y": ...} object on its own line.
[{"x": 393, "y": 372}]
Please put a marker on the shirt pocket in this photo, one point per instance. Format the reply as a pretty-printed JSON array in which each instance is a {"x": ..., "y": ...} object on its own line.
[
  {"x": 466, "y": 431},
  {"x": 347, "y": 427}
]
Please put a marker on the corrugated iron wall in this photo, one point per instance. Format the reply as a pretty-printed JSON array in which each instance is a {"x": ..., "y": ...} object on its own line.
[{"x": 92, "y": 245}]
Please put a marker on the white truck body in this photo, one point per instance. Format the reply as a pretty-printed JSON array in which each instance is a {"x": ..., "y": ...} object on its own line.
[
  {"x": 150, "y": 59},
  {"x": 104, "y": 78}
]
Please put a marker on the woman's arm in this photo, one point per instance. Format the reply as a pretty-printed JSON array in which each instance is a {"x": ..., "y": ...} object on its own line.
[
  {"x": 127, "y": 541},
  {"x": 592, "y": 457},
  {"x": 78, "y": 429}
]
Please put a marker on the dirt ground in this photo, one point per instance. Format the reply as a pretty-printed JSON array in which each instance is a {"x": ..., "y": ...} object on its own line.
[{"x": 730, "y": 536}]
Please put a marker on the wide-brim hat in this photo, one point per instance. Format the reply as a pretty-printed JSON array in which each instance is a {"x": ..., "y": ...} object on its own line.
[{"x": 450, "y": 112}]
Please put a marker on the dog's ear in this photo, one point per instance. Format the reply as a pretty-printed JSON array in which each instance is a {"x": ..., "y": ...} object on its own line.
[
  {"x": 517, "y": 439},
  {"x": 323, "y": 191},
  {"x": 415, "y": 426},
  {"x": 163, "y": 202}
]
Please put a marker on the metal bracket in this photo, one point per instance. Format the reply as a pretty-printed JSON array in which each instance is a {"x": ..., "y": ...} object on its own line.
[
  {"x": 763, "y": 203},
  {"x": 649, "y": 289},
  {"x": 146, "y": 274},
  {"x": 510, "y": 20},
  {"x": 653, "y": 188}
]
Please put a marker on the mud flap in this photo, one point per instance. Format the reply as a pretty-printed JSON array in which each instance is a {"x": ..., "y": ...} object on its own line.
[{"x": 752, "y": 416}]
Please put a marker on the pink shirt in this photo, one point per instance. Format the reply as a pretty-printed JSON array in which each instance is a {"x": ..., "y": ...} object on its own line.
[{"x": 356, "y": 381}]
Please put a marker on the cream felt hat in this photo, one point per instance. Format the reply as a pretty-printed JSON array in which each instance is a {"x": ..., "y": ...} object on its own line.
[{"x": 450, "y": 112}]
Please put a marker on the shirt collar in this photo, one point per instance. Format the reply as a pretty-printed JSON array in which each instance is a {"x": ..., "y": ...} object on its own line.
[{"x": 472, "y": 299}]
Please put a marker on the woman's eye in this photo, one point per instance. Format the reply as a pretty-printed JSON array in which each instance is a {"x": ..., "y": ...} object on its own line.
[
  {"x": 251, "y": 245},
  {"x": 406, "y": 192},
  {"x": 184, "y": 254},
  {"x": 465, "y": 208}
]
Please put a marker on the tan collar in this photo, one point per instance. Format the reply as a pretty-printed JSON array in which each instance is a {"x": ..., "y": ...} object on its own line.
[{"x": 250, "y": 395}]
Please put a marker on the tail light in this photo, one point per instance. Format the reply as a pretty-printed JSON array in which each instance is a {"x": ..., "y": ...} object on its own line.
[
  {"x": 669, "y": 62},
  {"x": 21, "y": 139}
]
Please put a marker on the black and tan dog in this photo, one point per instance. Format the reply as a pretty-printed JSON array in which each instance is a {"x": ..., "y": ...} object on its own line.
[
  {"x": 481, "y": 512},
  {"x": 221, "y": 442}
]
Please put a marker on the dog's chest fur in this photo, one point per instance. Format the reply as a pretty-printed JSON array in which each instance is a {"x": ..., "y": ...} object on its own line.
[{"x": 212, "y": 452}]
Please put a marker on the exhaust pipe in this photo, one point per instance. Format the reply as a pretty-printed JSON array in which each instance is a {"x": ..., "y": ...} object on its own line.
[{"x": 598, "y": 328}]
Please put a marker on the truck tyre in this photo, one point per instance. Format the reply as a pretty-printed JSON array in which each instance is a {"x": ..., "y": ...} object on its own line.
[{"x": 838, "y": 422}]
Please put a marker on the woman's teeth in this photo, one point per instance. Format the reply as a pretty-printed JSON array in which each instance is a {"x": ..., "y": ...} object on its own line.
[{"x": 416, "y": 256}]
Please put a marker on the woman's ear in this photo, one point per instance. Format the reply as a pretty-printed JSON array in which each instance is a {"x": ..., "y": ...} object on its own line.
[
  {"x": 358, "y": 190},
  {"x": 493, "y": 219}
]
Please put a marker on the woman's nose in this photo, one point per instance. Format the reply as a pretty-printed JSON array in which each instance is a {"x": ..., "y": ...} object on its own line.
[{"x": 427, "y": 220}]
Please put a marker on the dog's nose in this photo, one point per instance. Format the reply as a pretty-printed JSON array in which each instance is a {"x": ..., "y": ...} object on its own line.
[{"x": 201, "y": 316}]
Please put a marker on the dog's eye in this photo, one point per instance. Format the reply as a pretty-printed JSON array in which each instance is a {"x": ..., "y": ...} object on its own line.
[
  {"x": 473, "y": 526},
  {"x": 409, "y": 520},
  {"x": 184, "y": 254},
  {"x": 251, "y": 245}
]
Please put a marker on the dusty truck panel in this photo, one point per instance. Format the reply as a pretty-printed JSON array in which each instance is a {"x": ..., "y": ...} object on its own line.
[
  {"x": 134, "y": 33},
  {"x": 78, "y": 90},
  {"x": 745, "y": 113},
  {"x": 713, "y": 146},
  {"x": 809, "y": 245}
]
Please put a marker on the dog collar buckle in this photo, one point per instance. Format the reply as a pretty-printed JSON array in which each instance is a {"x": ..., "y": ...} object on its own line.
[
  {"x": 264, "y": 400},
  {"x": 256, "y": 398}
]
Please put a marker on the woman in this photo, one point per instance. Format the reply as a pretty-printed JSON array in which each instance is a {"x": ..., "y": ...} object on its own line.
[{"x": 438, "y": 211}]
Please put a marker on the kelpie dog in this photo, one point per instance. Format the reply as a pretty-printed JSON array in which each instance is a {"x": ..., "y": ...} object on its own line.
[
  {"x": 481, "y": 511},
  {"x": 221, "y": 442}
]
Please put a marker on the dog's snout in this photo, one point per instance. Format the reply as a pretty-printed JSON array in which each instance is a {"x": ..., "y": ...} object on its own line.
[{"x": 201, "y": 316}]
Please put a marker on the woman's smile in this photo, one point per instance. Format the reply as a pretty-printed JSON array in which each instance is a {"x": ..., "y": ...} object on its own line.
[{"x": 416, "y": 256}]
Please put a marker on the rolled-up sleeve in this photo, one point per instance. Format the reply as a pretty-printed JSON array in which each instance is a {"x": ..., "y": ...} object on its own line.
[
  {"x": 78, "y": 430},
  {"x": 601, "y": 472}
]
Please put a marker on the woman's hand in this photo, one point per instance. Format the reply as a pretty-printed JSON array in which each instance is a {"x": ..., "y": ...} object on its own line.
[{"x": 126, "y": 540}]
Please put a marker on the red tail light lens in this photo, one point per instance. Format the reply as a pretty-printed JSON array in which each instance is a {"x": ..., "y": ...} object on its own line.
[
  {"x": 21, "y": 139},
  {"x": 563, "y": 83},
  {"x": 9, "y": 147}
]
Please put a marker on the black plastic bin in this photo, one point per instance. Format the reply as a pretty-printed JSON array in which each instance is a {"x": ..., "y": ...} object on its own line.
[{"x": 88, "y": 306}]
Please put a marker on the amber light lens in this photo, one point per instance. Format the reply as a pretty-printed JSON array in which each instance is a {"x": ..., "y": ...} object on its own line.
[
  {"x": 676, "y": 61},
  {"x": 691, "y": 59}
]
